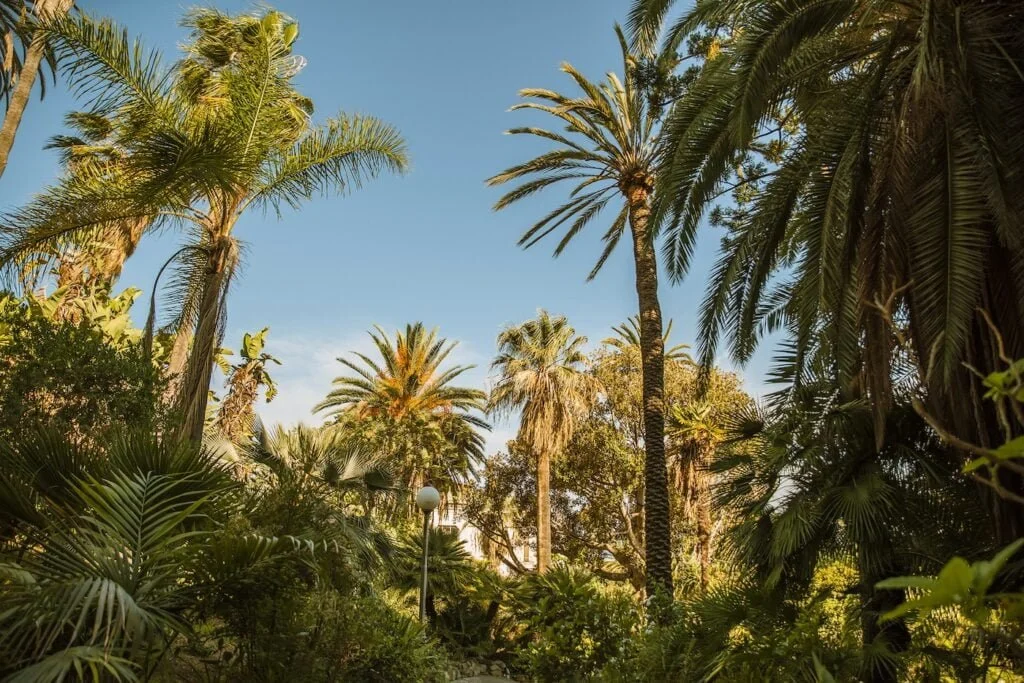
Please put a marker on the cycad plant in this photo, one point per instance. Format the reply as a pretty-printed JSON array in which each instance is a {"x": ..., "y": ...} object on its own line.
[
  {"x": 542, "y": 375},
  {"x": 898, "y": 128},
  {"x": 221, "y": 132},
  {"x": 609, "y": 152},
  {"x": 408, "y": 406}
]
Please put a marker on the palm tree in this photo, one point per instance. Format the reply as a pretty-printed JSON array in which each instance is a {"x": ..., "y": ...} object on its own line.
[
  {"x": 222, "y": 132},
  {"x": 244, "y": 379},
  {"x": 626, "y": 339},
  {"x": 541, "y": 373},
  {"x": 92, "y": 150},
  {"x": 407, "y": 404},
  {"x": 695, "y": 433},
  {"x": 610, "y": 152},
  {"x": 889, "y": 184},
  {"x": 26, "y": 72}
]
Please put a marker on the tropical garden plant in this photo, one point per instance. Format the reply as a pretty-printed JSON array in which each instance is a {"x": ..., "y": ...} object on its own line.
[
  {"x": 243, "y": 380},
  {"x": 407, "y": 406},
  {"x": 609, "y": 151},
  {"x": 221, "y": 132},
  {"x": 893, "y": 128},
  {"x": 108, "y": 549},
  {"x": 541, "y": 372}
]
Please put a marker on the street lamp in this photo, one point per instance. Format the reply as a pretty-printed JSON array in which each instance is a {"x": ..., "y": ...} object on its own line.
[{"x": 427, "y": 499}]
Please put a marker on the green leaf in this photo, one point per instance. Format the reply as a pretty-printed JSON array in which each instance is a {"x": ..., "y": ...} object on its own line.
[
  {"x": 821, "y": 672},
  {"x": 1011, "y": 449},
  {"x": 985, "y": 572},
  {"x": 252, "y": 344}
]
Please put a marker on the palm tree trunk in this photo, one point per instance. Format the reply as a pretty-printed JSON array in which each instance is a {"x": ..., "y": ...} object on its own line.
[
  {"x": 543, "y": 510},
  {"x": 19, "y": 98},
  {"x": 26, "y": 79},
  {"x": 657, "y": 530},
  {"x": 194, "y": 391},
  {"x": 125, "y": 241},
  {"x": 176, "y": 364},
  {"x": 703, "y": 510}
]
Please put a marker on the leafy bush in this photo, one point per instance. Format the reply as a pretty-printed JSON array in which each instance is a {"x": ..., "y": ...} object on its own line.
[
  {"x": 742, "y": 633},
  {"x": 71, "y": 377},
  {"x": 321, "y": 636},
  {"x": 572, "y": 625},
  {"x": 105, "y": 552}
]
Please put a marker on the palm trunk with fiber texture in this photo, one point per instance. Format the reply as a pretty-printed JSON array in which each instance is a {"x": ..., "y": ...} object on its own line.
[
  {"x": 124, "y": 244},
  {"x": 543, "y": 511},
  {"x": 704, "y": 525},
  {"x": 195, "y": 388},
  {"x": 26, "y": 79},
  {"x": 236, "y": 413},
  {"x": 176, "y": 364},
  {"x": 657, "y": 530}
]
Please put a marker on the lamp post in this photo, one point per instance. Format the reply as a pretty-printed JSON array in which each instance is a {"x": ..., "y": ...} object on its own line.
[{"x": 427, "y": 500}]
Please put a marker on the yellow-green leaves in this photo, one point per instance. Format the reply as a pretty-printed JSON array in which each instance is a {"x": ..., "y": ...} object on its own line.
[{"x": 959, "y": 584}]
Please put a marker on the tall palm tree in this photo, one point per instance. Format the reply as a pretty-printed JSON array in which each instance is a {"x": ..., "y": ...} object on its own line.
[
  {"x": 409, "y": 405},
  {"x": 221, "y": 132},
  {"x": 609, "y": 151},
  {"x": 25, "y": 75},
  {"x": 541, "y": 373},
  {"x": 904, "y": 125}
]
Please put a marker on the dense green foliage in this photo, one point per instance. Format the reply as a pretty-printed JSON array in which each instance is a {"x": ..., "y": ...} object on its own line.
[
  {"x": 650, "y": 521},
  {"x": 222, "y": 131},
  {"x": 79, "y": 377}
]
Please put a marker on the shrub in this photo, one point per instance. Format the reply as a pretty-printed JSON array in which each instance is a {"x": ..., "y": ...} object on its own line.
[
  {"x": 74, "y": 378},
  {"x": 741, "y": 633},
  {"x": 324, "y": 637},
  {"x": 573, "y": 626}
]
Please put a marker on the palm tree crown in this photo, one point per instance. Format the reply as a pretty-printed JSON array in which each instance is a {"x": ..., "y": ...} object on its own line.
[
  {"x": 608, "y": 150},
  {"x": 406, "y": 404},
  {"x": 541, "y": 370},
  {"x": 626, "y": 339},
  {"x": 409, "y": 380}
]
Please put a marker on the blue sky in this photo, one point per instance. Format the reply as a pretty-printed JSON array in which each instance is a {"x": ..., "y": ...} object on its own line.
[{"x": 425, "y": 246}]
